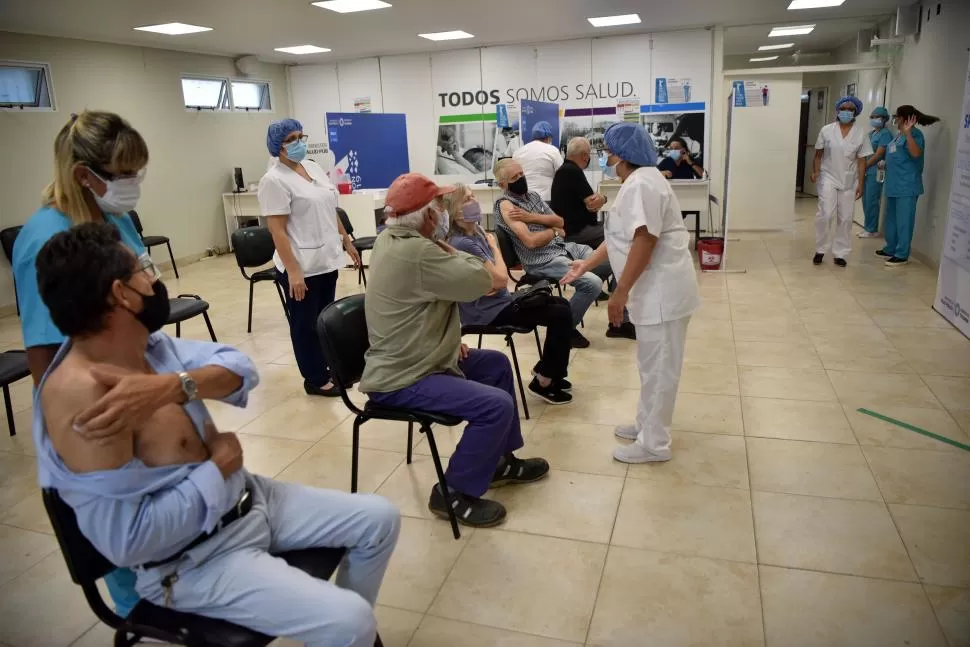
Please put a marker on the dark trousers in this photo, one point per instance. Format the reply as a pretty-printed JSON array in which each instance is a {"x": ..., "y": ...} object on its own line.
[
  {"x": 320, "y": 292},
  {"x": 591, "y": 235},
  {"x": 554, "y": 313},
  {"x": 485, "y": 397}
]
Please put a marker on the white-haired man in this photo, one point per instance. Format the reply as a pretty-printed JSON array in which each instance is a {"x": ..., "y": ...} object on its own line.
[
  {"x": 574, "y": 199},
  {"x": 416, "y": 358}
]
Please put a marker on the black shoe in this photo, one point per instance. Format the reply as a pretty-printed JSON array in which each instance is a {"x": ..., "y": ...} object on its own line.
[
  {"x": 515, "y": 471},
  {"x": 897, "y": 262},
  {"x": 332, "y": 392},
  {"x": 576, "y": 340},
  {"x": 626, "y": 330},
  {"x": 604, "y": 296},
  {"x": 469, "y": 510},
  {"x": 551, "y": 394},
  {"x": 840, "y": 262},
  {"x": 817, "y": 259},
  {"x": 879, "y": 252},
  {"x": 563, "y": 384}
]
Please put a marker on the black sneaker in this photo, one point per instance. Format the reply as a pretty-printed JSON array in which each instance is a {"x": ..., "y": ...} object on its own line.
[
  {"x": 840, "y": 262},
  {"x": 332, "y": 392},
  {"x": 604, "y": 296},
  {"x": 469, "y": 510},
  {"x": 879, "y": 252},
  {"x": 563, "y": 384},
  {"x": 576, "y": 340},
  {"x": 551, "y": 394},
  {"x": 817, "y": 259},
  {"x": 515, "y": 471},
  {"x": 897, "y": 262},
  {"x": 626, "y": 330}
]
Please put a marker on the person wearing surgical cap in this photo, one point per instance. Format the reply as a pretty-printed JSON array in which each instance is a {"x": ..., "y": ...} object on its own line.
[
  {"x": 838, "y": 174},
  {"x": 540, "y": 160},
  {"x": 648, "y": 247},
  {"x": 879, "y": 139},
  {"x": 299, "y": 203}
]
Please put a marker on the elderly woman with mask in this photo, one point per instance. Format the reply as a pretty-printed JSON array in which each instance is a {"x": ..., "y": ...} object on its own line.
[
  {"x": 649, "y": 249},
  {"x": 839, "y": 172},
  {"x": 300, "y": 205}
]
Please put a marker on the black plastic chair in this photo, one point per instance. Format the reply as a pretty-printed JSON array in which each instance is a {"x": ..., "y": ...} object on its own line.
[
  {"x": 8, "y": 237},
  {"x": 86, "y": 566},
  {"x": 13, "y": 367},
  {"x": 360, "y": 244},
  {"x": 342, "y": 328},
  {"x": 508, "y": 332},
  {"x": 512, "y": 262},
  {"x": 187, "y": 306},
  {"x": 253, "y": 247},
  {"x": 153, "y": 241}
]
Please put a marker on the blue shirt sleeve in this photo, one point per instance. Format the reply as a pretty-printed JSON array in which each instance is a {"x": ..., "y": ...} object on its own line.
[
  {"x": 885, "y": 138},
  {"x": 35, "y": 319},
  {"x": 195, "y": 354}
]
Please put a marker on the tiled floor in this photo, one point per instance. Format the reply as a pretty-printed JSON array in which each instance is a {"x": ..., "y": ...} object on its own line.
[{"x": 785, "y": 518}]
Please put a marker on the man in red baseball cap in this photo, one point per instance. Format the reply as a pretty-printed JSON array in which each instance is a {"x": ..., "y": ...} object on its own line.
[{"x": 417, "y": 361}]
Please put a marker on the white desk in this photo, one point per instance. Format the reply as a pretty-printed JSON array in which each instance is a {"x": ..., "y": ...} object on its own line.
[{"x": 693, "y": 195}]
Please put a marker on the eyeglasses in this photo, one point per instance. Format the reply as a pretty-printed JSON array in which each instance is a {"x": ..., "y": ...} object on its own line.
[
  {"x": 301, "y": 138},
  {"x": 104, "y": 176},
  {"x": 147, "y": 265}
]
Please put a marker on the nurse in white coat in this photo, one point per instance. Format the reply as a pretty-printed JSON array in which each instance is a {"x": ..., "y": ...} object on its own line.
[
  {"x": 839, "y": 173},
  {"x": 540, "y": 160},
  {"x": 649, "y": 249}
]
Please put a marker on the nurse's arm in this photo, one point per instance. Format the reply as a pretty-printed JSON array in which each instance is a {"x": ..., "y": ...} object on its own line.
[
  {"x": 861, "y": 177},
  {"x": 876, "y": 157},
  {"x": 637, "y": 261},
  {"x": 580, "y": 267},
  {"x": 817, "y": 164},
  {"x": 912, "y": 145}
]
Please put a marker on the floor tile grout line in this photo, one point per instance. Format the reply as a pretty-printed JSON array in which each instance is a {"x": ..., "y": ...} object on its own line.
[
  {"x": 505, "y": 629},
  {"x": 606, "y": 557}
]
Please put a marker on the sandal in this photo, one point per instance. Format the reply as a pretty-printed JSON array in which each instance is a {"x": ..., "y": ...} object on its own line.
[
  {"x": 469, "y": 510},
  {"x": 515, "y": 471}
]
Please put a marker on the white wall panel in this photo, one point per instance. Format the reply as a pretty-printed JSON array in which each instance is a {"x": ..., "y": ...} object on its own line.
[
  {"x": 408, "y": 90},
  {"x": 360, "y": 79}
]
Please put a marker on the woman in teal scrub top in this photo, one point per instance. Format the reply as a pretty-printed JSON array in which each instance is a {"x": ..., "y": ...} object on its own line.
[
  {"x": 880, "y": 138},
  {"x": 904, "y": 183},
  {"x": 99, "y": 164}
]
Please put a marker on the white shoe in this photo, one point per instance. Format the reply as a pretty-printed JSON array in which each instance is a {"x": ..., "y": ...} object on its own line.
[
  {"x": 868, "y": 234},
  {"x": 637, "y": 453},
  {"x": 629, "y": 432}
]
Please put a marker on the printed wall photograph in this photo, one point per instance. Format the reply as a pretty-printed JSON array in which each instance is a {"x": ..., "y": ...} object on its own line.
[
  {"x": 688, "y": 126},
  {"x": 465, "y": 148}
]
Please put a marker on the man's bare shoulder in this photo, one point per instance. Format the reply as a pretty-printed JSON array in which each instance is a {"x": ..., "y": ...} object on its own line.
[{"x": 70, "y": 385}]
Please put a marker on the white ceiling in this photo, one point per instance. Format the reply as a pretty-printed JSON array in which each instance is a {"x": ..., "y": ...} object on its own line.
[
  {"x": 828, "y": 35},
  {"x": 258, "y": 26}
]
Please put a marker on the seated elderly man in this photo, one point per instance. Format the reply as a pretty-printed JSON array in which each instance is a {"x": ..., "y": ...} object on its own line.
[
  {"x": 157, "y": 489},
  {"x": 538, "y": 237},
  {"x": 574, "y": 199},
  {"x": 416, "y": 359}
]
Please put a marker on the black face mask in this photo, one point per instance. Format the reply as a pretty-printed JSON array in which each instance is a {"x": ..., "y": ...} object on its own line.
[
  {"x": 520, "y": 186},
  {"x": 155, "y": 308}
]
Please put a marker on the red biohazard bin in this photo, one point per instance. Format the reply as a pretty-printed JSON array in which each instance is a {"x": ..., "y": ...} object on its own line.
[{"x": 710, "y": 251}]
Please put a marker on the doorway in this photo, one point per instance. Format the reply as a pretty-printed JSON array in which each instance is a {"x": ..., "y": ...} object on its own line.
[
  {"x": 815, "y": 114},
  {"x": 802, "y": 138}
]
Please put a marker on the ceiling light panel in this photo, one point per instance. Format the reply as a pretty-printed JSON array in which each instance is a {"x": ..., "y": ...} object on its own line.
[
  {"x": 351, "y": 6},
  {"x": 797, "y": 30},
  {"x": 302, "y": 49},
  {"x": 173, "y": 29},
  {"x": 447, "y": 35},
  {"x": 614, "y": 21},
  {"x": 768, "y": 48},
  {"x": 814, "y": 4}
]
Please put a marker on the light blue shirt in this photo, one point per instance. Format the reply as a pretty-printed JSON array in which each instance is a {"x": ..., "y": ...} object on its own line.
[
  {"x": 877, "y": 138},
  {"x": 138, "y": 514},
  {"x": 35, "y": 319},
  {"x": 904, "y": 173}
]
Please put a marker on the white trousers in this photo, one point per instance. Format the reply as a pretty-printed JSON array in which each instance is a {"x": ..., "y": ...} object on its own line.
[
  {"x": 660, "y": 357},
  {"x": 833, "y": 203}
]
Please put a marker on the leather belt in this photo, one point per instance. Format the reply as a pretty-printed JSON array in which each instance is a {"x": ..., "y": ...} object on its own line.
[{"x": 238, "y": 511}]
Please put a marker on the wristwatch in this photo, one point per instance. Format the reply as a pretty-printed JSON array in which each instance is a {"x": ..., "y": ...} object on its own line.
[{"x": 189, "y": 387}]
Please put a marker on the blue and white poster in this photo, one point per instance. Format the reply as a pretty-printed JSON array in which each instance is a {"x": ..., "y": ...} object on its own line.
[
  {"x": 535, "y": 111},
  {"x": 370, "y": 148},
  {"x": 751, "y": 94}
]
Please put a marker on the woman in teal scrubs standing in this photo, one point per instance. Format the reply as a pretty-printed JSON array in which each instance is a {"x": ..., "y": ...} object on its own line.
[
  {"x": 904, "y": 183},
  {"x": 880, "y": 138}
]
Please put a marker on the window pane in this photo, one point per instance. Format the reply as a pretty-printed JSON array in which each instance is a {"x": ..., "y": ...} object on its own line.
[
  {"x": 204, "y": 93},
  {"x": 247, "y": 95},
  {"x": 19, "y": 86}
]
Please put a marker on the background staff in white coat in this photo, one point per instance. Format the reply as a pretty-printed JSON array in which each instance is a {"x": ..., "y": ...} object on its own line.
[
  {"x": 649, "y": 249},
  {"x": 840, "y": 169}
]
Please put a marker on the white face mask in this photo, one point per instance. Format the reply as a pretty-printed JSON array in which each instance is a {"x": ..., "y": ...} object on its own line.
[{"x": 120, "y": 196}]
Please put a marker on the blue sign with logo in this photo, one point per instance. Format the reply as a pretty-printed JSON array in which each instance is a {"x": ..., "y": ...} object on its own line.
[
  {"x": 370, "y": 148},
  {"x": 535, "y": 111}
]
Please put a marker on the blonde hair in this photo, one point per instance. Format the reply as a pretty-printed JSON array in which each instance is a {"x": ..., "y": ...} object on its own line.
[
  {"x": 94, "y": 139},
  {"x": 501, "y": 169},
  {"x": 454, "y": 201}
]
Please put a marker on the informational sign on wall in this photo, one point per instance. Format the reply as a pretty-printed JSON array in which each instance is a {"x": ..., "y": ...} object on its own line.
[
  {"x": 362, "y": 104},
  {"x": 751, "y": 94},
  {"x": 370, "y": 148},
  {"x": 629, "y": 110},
  {"x": 534, "y": 112},
  {"x": 953, "y": 284},
  {"x": 672, "y": 90}
]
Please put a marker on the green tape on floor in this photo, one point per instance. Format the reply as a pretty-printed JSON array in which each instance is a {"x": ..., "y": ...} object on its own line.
[{"x": 906, "y": 425}]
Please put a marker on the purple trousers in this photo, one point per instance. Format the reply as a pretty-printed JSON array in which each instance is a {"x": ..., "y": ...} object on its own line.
[{"x": 486, "y": 399}]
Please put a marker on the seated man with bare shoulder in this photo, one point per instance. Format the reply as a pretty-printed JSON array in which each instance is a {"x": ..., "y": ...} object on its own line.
[{"x": 123, "y": 435}]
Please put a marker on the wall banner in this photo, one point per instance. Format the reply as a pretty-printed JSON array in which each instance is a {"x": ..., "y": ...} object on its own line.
[
  {"x": 751, "y": 94},
  {"x": 370, "y": 148}
]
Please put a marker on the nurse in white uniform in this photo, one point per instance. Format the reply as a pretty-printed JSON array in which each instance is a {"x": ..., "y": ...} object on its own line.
[
  {"x": 839, "y": 173},
  {"x": 649, "y": 249},
  {"x": 540, "y": 160},
  {"x": 300, "y": 205}
]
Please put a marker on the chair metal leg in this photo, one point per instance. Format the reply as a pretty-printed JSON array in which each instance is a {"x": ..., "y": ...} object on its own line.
[
  {"x": 410, "y": 440},
  {"x": 178, "y": 328},
  {"x": 208, "y": 324},
  {"x": 249, "y": 324},
  {"x": 538, "y": 343},
  {"x": 426, "y": 430},
  {"x": 9, "y": 408},
  {"x": 172, "y": 256},
  {"x": 362, "y": 276},
  {"x": 354, "y": 454},
  {"x": 480, "y": 341},
  {"x": 518, "y": 375}
]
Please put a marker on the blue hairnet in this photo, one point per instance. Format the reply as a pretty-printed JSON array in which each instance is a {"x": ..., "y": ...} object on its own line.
[
  {"x": 631, "y": 143},
  {"x": 277, "y": 132},
  {"x": 854, "y": 101},
  {"x": 541, "y": 130},
  {"x": 880, "y": 112}
]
